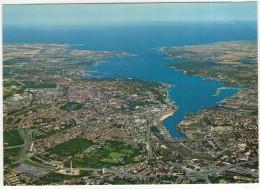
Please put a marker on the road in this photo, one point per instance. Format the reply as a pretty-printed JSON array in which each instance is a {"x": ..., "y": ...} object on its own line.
[
  {"x": 10, "y": 147},
  {"x": 14, "y": 78},
  {"x": 205, "y": 174},
  {"x": 82, "y": 169},
  {"x": 26, "y": 141},
  {"x": 177, "y": 146},
  {"x": 149, "y": 143},
  {"x": 25, "y": 146},
  {"x": 197, "y": 174},
  {"x": 117, "y": 172}
]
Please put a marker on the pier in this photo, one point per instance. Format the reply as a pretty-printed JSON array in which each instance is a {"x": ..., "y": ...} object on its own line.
[{"x": 222, "y": 88}]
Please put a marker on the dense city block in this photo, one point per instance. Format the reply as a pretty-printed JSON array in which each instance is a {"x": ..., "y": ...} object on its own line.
[{"x": 63, "y": 127}]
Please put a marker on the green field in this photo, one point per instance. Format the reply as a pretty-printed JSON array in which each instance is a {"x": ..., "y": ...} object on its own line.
[
  {"x": 11, "y": 155},
  {"x": 10, "y": 91},
  {"x": 72, "y": 106},
  {"x": 115, "y": 155},
  {"x": 243, "y": 178},
  {"x": 11, "y": 83},
  {"x": 43, "y": 85},
  {"x": 109, "y": 160},
  {"x": 127, "y": 151},
  {"x": 12, "y": 138},
  {"x": 41, "y": 106},
  {"x": 194, "y": 125},
  {"x": 107, "y": 156},
  {"x": 35, "y": 164},
  {"x": 70, "y": 148}
]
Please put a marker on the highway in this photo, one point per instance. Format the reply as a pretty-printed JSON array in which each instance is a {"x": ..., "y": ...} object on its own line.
[
  {"x": 82, "y": 169},
  {"x": 170, "y": 143},
  {"x": 25, "y": 146},
  {"x": 204, "y": 175},
  {"x": 14, "y": 78},
  {"x": 149, "y": 143},
  {"x": 198, "y": 174},
  {"x": 27, "y": 143},
  {"x": 117, "y": 172},
  {"x": 10, "y": 147}
]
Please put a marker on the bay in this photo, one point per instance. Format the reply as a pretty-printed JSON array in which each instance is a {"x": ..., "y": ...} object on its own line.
[{"x": 143, "y": 40}]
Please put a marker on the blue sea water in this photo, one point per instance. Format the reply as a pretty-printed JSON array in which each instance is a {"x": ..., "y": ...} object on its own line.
[{"x": 190, "y": 93}]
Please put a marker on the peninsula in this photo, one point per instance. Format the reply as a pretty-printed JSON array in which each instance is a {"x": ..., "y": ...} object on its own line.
[{"x": 233, "y": 62}]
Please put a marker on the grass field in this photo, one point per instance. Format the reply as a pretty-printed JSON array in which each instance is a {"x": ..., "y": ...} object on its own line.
[
  {"x": 12, "y": 138},
  {"x": 107, "y": 156},
  {"x": 243, "y": 178},
  {"x": 41, "y": 106},
  {"x": 11, "y": 155},
  {"x": 109, "y": 160},
  {"x": 194, "y": 125},
  {"x": 115, "y": 155},
  {"x": 28, "y": 162},
  {"x": 127, "y": 151},
  {"x": 70, "y": 148}
]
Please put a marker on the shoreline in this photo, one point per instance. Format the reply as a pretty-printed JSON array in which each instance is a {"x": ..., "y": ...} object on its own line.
[
  {"x": 178, "y": 126},
  {"x": 165, "y": 116}
]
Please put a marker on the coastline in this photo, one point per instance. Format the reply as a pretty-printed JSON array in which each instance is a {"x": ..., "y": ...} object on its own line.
[
  {"x": 179, "y": 125},
  {"x": 165, "y": 116}
]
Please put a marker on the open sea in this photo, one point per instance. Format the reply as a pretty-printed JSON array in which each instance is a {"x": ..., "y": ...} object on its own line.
[{"x": 144, "y": 39}]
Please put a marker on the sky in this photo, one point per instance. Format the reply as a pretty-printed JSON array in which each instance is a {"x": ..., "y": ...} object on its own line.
[{"x": 83, "y": 14}]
